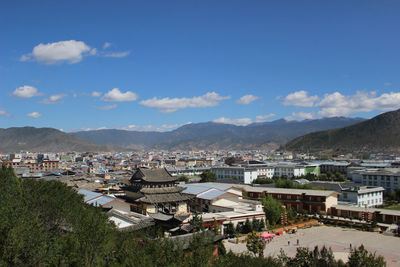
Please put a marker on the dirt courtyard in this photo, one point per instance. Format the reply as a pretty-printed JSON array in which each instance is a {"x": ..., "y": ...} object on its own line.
[{"x": 338, "y": 239}]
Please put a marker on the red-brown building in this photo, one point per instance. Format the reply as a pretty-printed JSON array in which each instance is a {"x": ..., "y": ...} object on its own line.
[{"x": 312, "y": 201}]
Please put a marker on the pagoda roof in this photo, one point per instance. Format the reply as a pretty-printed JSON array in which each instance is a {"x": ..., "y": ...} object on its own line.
[
  {"x": 163, "y": 198},
  {"x": 161, "y": 190},
  {"x": 153, "y": 175}
]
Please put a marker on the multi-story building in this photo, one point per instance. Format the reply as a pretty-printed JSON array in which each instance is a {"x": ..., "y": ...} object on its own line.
[
  {"x": 245, "y": 175},
  {"x": 189, "y": 171},
  {"x": 155, "y": 191},
  {"x": 222, "y": 203},
  {"x": 289, "y": 170},
  {"x": 334, "y": 166},
  {"x": 365, "y": 196},
  {"x": 313, "y": 201},
  {"x": 388, "y": 178}
]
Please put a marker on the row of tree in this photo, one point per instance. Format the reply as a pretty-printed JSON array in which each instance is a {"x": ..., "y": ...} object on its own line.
[
  {"x": 358, "y": 257},
  {"x": 284, "y": 182}
]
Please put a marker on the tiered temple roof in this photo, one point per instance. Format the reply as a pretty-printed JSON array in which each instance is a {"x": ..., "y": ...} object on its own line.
[
  {"x": 152, "y": 176},
  {"x": 156, "y": 186}
]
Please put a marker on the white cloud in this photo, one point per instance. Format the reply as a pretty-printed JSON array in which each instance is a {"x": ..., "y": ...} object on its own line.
[
  {"x": 34, "y": 115},
  {"x": 300, "y": 99},
  {"x": 64, "y": 51},
  {"x": 247, "y": 99},
  {"x": 53, "y": 99},
  {"x": 148, "y": 128},
  {"x": 109, "y": 107},
  {"x": 387, "y": 84},
  {"x": 93, "y": 52},
  {"x": 115, "y": 95},
  {"x": 118, "y": 54},
  {"x": 4, "y": 113},
  {"x": 336, "y": 104},
  {"x": 106, "y": 45},
  {"x": 263, "y": 118},
  {"x": 26, "y": 91},
  {"x": 96, "y": 94},
  {"x": 167, "y": 105},
  {"x": 239, "y": 122},
  {"x": 25, "y": 58}
]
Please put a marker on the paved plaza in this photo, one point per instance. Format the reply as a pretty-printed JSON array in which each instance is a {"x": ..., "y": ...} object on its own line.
[{"x": 339, "y": 239}]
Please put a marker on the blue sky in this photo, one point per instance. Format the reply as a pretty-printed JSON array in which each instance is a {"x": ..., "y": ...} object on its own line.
[{"x": 155, "y": 65}]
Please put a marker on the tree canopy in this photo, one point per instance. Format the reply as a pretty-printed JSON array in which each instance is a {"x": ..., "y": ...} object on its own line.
[
  {"x": 208, "y": 176},
  {"x": 273, "y": 209}
]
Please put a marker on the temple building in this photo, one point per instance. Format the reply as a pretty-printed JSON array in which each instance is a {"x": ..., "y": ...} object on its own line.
[{"x": 154, "y": 191}]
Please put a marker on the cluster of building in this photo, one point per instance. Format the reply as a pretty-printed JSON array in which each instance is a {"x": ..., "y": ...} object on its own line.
[{"x": 139, "y": 190}]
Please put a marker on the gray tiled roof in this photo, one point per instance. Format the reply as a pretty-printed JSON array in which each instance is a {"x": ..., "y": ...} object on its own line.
[{"x": 153, "y": 175}]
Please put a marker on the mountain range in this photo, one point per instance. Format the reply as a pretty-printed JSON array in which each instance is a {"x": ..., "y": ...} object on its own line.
[
  {"x": 379, "y": 134},
  {"x": 210, "y": 135},
  {"x": 45, "y": 140}
]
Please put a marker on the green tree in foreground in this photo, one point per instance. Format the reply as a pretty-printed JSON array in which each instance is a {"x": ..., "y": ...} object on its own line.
[
  {"x": 48, "y": 224},
  {"x": 306, "y": 258},
  {"x": 360, "y": 257},
  {"x": 255, "y": 244},
  {"x": 273, "y": 209}
]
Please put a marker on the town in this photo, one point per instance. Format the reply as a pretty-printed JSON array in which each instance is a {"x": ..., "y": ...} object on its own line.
[
  {"x": 227, "y": 190},
  {"x": 200, "y": 133}
]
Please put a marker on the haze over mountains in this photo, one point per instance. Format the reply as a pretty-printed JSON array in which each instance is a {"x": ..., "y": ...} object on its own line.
[
  {"x": 210, "y": 135},
  {"x": 379, "y": 134}
]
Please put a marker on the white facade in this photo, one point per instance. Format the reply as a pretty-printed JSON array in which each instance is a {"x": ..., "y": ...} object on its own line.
[
  {"x": 244, "y": 175},
  {"x": 289, "y": 171},
  {"x": 389, "y": 179},
  {"x": 364, "y": 196},
  {"x": 265, "y": 171}
]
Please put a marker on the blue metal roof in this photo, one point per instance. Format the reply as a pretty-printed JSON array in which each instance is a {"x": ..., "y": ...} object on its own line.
[
  {"x": 211, "y": 194},
  {"x": 98, "y": 202},
  {"x": 223, "y": 187},
  {"x": 88, "y": 194},
  {"x": 194, "y": 189}
]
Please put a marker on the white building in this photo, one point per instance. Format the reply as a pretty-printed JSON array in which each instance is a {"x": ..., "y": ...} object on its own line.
[
  {"x": 363, "y": 196},
  {"x": 223, "y": 203},
  {"x": 245, "y": 175},
  {"x": 388, "y": 178},
  {"x": 289, "y": 170}
]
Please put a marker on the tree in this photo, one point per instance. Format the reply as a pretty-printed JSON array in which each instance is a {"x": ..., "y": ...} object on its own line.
[
  {"x": 360, "y": 257},
  {"x": 216, "y": 227},
  {"x": 183, "y": 178},
  {"x": 247, "y": 227},
  {"x": 238, "y": 228},
  {"x": 261, "y": 225},
  {"x": 230, "y": 229},
  {"x": 47, "y": 223},
  {"x": 291, "y": 214},
  {"x": 196, "y": 222},
  {"x": 272, "y": 209},
  {"x": 208, "y": 176},
  {"x": 255, "y": 225},
  {"x": 255, "y": 244}
]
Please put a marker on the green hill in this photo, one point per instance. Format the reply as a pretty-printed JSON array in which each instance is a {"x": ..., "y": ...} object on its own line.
[
  {"x": 45, "y": 140},
  {"x": 379, "y": 134}
]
